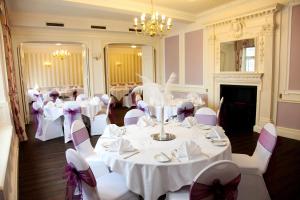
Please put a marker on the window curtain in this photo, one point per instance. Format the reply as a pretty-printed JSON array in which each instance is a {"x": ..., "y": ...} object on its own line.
[{"x": 11, "y": 75}]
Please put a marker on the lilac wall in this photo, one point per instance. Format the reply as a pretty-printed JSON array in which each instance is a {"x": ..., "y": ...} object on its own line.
[
  {"x": 172, "y": 56},
  {"x": 194, "y": 57},
  {"x": 294, "y": 79},
  {"x": 288, "y": 115}
]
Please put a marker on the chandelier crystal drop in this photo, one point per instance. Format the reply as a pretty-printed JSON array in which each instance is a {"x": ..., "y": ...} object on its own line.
[
  {"x": 61, "y": 53},
  {"x": 153, "y": 24}
]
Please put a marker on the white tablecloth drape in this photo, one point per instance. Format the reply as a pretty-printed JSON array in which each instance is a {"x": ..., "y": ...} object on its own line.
[
  {"x": 119, "y": 91},
  {"x": 146, "y": 176}
]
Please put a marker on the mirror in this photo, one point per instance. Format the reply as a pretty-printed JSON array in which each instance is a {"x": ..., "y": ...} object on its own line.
[{"x": 238, "y": 56}]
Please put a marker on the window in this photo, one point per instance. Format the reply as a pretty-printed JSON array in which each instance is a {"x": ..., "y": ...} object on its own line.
[{"x": 249, "y": 61}]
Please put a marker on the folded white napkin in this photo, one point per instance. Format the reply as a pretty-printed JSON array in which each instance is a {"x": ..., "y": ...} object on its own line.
[
  {"x": 112, "y": 131},
  {"x": 218, "y": 132},
  {"x": 188, "y": 150},
  {"x": 189, "y": 122},
  {"x": 145, "y": 121},
  {"x": 121, "y": 146}
]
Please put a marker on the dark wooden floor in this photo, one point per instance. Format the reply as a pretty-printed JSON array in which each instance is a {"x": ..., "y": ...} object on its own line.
[{"x": 42, "y": 166}]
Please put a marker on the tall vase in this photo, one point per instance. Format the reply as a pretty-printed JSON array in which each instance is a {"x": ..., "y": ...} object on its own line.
[{"x": 162, "y": 128}]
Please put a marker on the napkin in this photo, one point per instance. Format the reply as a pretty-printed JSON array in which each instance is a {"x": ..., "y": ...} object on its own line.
[
  {"x": 145, "y": 121},
  {"x": 121, "y": 146},
  {"x": 188, "y": 150},
  {"x": 189, "y": 122},
  {"x": 218, "y": 132},
  {"x": 112, "y": 131}
]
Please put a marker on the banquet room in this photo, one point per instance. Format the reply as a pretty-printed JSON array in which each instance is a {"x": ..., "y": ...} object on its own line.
[{"x": 149, "y": 99}]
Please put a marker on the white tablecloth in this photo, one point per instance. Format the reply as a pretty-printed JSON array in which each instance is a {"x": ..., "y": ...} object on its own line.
[
  {"x": 150, "y": 178},
  {"x": 119, "y": 91}
]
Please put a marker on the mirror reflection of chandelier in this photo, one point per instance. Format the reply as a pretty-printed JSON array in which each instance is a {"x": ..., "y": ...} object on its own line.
[
  {"x": 61, "y": 53},
  {"x": 152, "y": 24}
]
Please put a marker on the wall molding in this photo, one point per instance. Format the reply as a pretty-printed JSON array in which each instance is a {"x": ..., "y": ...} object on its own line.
[
  {"x": 288, "y": 132},
  {"x": 188, "y": 88}
]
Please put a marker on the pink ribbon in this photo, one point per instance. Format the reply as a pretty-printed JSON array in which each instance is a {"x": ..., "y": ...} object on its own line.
[
  {"x": 74, "y": 180},
  {"x": 38, "y": 114},
  {"x": 267, "y": 140},
  {"x": 228, "y": 191}
]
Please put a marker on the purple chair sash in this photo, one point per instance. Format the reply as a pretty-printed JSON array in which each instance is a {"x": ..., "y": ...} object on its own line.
[
  {"x": 38, "y": 114},
  {"x": 71, "y": 113},
  {"x": 267, "y": 140},
  {"x": 206, "y": 119},
  {"x": 75, "y": 178},
  {"x": 54, "y": 95},
  {"x": 80, "y": 136},
  {"x": 228, "y": 191},
  {"x": 182, "y": 113},
  {"x": 131, "y": 120}
]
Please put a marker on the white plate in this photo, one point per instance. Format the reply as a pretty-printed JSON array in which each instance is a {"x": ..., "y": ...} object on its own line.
[
  {"x": 220, "y": 144},
  {"x": 205, "y": 127},
  {"x": 161, "y": 158}
]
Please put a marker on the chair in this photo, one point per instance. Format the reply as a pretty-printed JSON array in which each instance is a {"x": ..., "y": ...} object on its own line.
[
  {"x": 92, "y": 186},
  {"x": 101, "y": 120},
  {"x": 219, "y": 117},
  {"x": 206, "y": 116},
  {"x": 54, "y": 95},
  {"x": 132, "y": 116},
  {"x": 82, "y": 143},
  {"x": 186, "y": 109},
  {"x": 47, "y": 128},
  {"x": 259, "y": 161},
  {"x": 218, "y": 180},
  {"x": 143, "y": 106},
  {"x": 105, "y": 99},
  {"x": 81, "y": 97},
  {"x": 72, "y": 112}
]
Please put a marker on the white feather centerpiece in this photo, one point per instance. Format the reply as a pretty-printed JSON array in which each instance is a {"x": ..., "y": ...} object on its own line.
[{"x": 159, "y": 96}]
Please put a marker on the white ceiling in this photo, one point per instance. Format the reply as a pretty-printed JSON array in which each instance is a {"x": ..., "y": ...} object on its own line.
[{"x": 182, "y": 10}]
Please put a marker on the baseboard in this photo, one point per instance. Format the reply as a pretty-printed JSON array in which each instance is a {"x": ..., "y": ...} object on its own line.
[{"x": 288, "y": 132}]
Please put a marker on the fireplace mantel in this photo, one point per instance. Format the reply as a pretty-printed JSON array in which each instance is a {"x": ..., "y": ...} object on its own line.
[{"x": 240, "y": 78}]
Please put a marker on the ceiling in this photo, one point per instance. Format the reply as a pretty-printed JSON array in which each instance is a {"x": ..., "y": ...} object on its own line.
[{"x": 181, "y": 10}]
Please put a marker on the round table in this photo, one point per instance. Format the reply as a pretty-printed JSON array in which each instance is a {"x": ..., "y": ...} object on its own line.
[{"x": 146, "y": 176}]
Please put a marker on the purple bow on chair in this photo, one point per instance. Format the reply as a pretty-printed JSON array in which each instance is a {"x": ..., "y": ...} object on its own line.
[
  {"x": 54, "y": 95},
  {"x": 217, "y": 190},
  {"x": 184, "y": 112},
  {"x": 71, "y": 113},
  {"x": 75, "y": 178},
  {"x": 37, "y": 119}
]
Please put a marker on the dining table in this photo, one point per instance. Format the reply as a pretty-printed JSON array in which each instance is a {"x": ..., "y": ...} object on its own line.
[{"x": 145, "y": 172}]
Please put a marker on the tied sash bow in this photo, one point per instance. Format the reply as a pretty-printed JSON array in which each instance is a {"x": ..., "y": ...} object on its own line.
[
  {"x": 71, "y": 113},
  {"x": 74, "y": 180},
  {"x": 38, "y": 114},
  {"x": 185, "y": 112},
  {"x": 217, "y": 190}
]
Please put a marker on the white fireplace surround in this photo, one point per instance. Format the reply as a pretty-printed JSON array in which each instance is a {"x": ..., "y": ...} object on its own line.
[
  {"x": 239, "y": 78},
  {"x": 259, "y": 25}
]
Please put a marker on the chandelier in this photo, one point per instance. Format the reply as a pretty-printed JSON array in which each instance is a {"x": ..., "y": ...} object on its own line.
[
  {"x": 61, "y": 54},
  {"x": 152, "y": 24}
]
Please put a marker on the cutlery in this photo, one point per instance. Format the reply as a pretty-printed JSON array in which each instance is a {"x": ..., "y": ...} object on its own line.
[
  {"x": 162, "y": 153},
  {"x": 130, "y": 155},
  {"x": 174, "y": 156}
]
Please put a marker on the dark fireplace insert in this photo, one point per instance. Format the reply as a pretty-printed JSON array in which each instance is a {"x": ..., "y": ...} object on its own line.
[{"x": 238, "y": 111}]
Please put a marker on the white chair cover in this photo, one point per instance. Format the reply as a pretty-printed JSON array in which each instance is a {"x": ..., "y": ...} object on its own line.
[
  {"x": 48, "y": 128},
  {"x": 105, "y": 99},
  {"x": 260, "y": 159},
  {"x": 132, "y": 116},
  {"x": 206, "y": 116},
  {"x": 143, "y": 106},
  {"x": 81, "y": 97},
  {"x": 214, "y": 178},
  {"x": 186, "y": 109},
  {"x": 33, "y": 95},
  {"x": 72, "y": 112},
  {"x": 108, "y": 186}
]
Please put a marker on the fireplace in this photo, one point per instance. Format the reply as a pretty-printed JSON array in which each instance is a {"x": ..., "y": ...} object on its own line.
[{"x": 238, "y": 111}]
